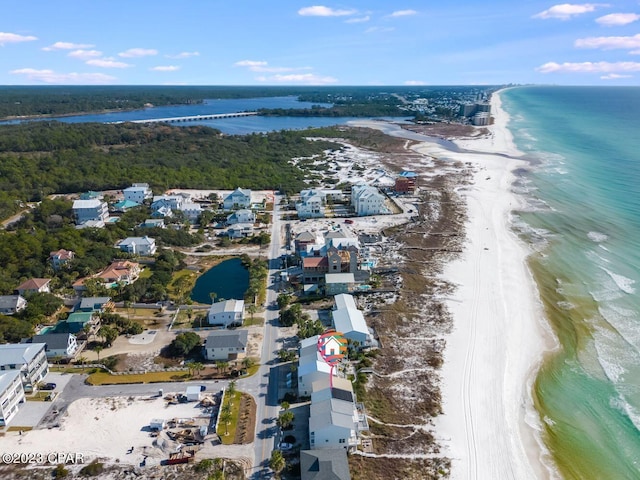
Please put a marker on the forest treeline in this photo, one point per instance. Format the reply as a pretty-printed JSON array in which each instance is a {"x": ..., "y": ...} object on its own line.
[{"x": 41, "y": 158}]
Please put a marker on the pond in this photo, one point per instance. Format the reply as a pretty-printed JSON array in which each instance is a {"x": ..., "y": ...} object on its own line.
[{"x": 228, "y": 279}]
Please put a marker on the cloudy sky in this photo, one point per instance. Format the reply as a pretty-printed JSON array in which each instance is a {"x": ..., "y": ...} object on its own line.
[{"x": 290, "y": 42}]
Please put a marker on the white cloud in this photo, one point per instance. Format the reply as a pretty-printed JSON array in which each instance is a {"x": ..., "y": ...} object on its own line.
[
  {"x": 107, "y": 63},
  {"x": 6, "y": 37},
  {"x": 85, "y": 54},
  {"x": 165, "y": 68},
  {"x": 322, "y": 11},
  {"x": 67, "y": 46},
  {"x": 358, "y": 19},
  {"x": 415, "y": 82},
  {"x": 261, "y": 66},
  {"x": 609, "y": 43},
  {"x": 403, "y": 13},
  {"x": 617, "y": 19},
  {"x": 184, "y": 55},
  {"x": 589, "y": 67},
  {"x": 138, "y": 52},
  {"x": 379, "y": 29},
  {"x": 615, "y": 76},
  {"x": 567, "y": 10},
  {"x": 304, "y": 78},
  {"x": 49, "y": 76}
]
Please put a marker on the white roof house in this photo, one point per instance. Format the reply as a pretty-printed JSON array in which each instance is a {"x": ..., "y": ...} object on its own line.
[
  {"x": 241, "y": 216},
  {"x": 28, "y": 358},
  {"x": 191, "y": 210},
  {"x": 138, "y": 192},
  {"x": 367, "y": 200},
  {"x": 239, "y": 198},
  {"x": 311, "y": 366},
  {"x": 174, "y": 202},
  {"x": 138, "y": 245},
  {"x": 226, "y": 313},
  {"x": 344, "y": 300},
  {"x": 336, "y": 283},
  {"x": 351, "y": 322},
  {"x": 86, "y": 210}
]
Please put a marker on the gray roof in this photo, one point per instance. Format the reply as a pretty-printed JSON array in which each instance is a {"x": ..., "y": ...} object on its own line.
[
  {"x": 19, "y": 353},
  {"x": 227, "y": 338},
  {"x": 9, "y": 302},
  {"x": 93, "y": 302},
  {"x": 54, "y": 341},
  {"x": 325, "y": 464}
]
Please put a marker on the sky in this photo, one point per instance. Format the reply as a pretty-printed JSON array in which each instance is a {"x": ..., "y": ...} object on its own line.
[{"x": 291, "y": 42}]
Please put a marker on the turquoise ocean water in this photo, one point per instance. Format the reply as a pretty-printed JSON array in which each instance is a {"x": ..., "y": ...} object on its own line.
[{"x": 582, "y": 219}]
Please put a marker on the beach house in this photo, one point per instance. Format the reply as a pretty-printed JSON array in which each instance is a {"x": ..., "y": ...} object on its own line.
[
  {"x": 27, "y": 358},
  {"x": 11, "y": 395},
  {"x": 367, "y": 200},
  {"x": 239, "y": 198},
  {"x": 10, "y": 304},
  {"x": 138, "y": 245},
  {"x": 138, "y": 192},
  {"x": 94, "y": 210},
  {"x": 226, "y": 313},
  {"x": 226, "y": 345}
]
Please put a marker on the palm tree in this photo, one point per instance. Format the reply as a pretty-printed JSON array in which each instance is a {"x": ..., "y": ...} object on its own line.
[
  {"x": 98, "y": 349},
  {"x": 231, "y": 389},
  {"x": 248, "y": 362},
  {"x": 197, "y": 367},
  {"x": 190, "y": 366},
  {"x": 252, "y": 309},
  {"x": 226, "y": 418},
  {"x": 277, "y": 462}
]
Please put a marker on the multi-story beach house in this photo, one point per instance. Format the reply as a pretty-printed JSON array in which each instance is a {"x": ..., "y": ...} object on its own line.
[
  {"x": 367, "y": 200},
  {"x": 11, "y": 395},
  {"x": 138, "y": 245},
  {"x": 10, "y": 304},
  {"x": 94, "y": 210},
  {"x": 239, "y": 198},
  {"x": 226, "y": 345},
  {"x": 226, "y": 313},
  {"x": 138, "y": 192},
  {"x": 27, "y": 358}
]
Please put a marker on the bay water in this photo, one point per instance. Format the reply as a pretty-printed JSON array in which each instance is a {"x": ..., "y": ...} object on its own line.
[{"x": 582, "y": 219}]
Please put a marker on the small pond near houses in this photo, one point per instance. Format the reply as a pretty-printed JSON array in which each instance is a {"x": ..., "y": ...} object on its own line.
[{"x": 228, "y": 279}]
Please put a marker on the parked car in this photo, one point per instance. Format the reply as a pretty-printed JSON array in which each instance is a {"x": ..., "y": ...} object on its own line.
[
  {"x": 48, "y": 386},
  {"x": 284, "y": 446},
  {"x": 203, "y": 388}
]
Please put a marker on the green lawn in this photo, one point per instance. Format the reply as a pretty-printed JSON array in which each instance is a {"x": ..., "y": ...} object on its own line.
[
  {"x": 227, "y": 439},
  {"x": 104, "y": 378}
]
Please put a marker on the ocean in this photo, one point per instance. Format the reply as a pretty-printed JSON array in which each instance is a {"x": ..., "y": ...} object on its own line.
[{"x": 582, "y": 220}]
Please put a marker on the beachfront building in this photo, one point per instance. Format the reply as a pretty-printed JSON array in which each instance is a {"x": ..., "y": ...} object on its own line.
[
  {"x": 58, "y": 345},
  {"x": 61, "y": 258},
  {"x": 367, "y": 200},
  {"x": 334, "y": 421},
  {"x": 406, "y": 182},
  {"x": 239, "y": 198},
  {"x": 312, "y": 202},
  {"x": 302, "y": 241},
  {"x": 34, "y": 285},
  {"x": 10, "y": 304},
  {"x": 153, "y": 223},
  {"x": 311, "y": 366},
  {"x": 27, "y": 358},
  {"x": 346, "y": 318},
  {"x": 138, "y": 192},
  {"x": 138, "y": 245},
  {"x": 226, "y": 313},
  {"x": 11, "y": 395},
  {"x": 94, "y": 210},
  {"x": 226, "y": 345},
  {"x": 336, "y": 283}
]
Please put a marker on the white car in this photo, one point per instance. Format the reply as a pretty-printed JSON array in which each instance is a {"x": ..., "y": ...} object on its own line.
[{"x": 284, "y": 446}]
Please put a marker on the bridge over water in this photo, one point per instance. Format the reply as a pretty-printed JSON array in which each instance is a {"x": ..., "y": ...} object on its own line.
[{"x": 194, "y": 118}]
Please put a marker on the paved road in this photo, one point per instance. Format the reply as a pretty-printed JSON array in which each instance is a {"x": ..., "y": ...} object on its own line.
[{"x": 263, "y": 385}]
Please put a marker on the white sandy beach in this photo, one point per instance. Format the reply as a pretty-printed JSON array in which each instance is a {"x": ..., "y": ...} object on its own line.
[{"x": 489, "y": 425}]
